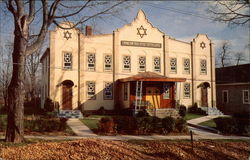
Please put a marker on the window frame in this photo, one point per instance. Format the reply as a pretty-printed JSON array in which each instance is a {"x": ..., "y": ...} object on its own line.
[
  {"x": 186, "y": 71},
  {"x": 243, "y": 96},
  {"x": 90, "y": 97},
  {"x": 166, "y": 87},
  {"x": 170, "y": 66},
  {"x": 145, "y": 65},
  {"x": 185, "y": 96},
  {"x": 92, "y": 69},
  {"x": 154, "y": 69},
  {"x": 123, "y": 68},
  {"x": 104, "y": 63},
  {"x": 64, "y": 67},
  {"x": 225, "y": 91},
  {"x": 203, "y": 72},
  {"x": 105, "y": 96}
]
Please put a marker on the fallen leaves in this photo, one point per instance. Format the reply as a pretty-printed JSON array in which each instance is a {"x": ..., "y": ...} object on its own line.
[{"x": 91, "y": 149}]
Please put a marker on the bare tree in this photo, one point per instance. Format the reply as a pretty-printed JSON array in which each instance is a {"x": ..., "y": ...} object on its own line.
[
  {"x": 50, "y": 12},
  {"x": 232, "y": 12},
  {"x": 239, "y": 56},
  {"x": 5, "y": 71},
  {"x": 224, "y": 55}
]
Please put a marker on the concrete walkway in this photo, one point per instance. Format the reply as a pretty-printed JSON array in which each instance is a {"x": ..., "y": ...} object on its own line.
[{"x": 79, "y": 128}]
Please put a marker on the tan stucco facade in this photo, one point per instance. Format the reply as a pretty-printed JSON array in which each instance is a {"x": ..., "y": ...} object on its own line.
[{"x": 139, "y": 38}]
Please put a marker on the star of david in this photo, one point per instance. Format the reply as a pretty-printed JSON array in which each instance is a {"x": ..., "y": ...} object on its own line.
[
  {"x": 203, "y": 45},
  {"x": 141, "y": 31},
  {"x": 67, "y": 35}
]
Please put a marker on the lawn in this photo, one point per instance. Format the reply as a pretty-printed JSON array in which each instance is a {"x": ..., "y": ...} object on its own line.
[
  {"x": 190, "y": 116},
  {"x": 90, "y": 123},
  {"x": 209, "y": 123}
]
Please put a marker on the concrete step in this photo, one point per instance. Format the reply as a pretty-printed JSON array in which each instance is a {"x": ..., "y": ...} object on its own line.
[
  {"x": 162, "y": 113},
  {"x": 70, "y": 114}
]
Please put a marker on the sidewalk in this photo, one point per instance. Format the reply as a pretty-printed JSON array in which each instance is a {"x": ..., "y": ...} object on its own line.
[{"x": 80, "y": 129}]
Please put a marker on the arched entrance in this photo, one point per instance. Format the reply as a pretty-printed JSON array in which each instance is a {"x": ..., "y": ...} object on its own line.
[
  {"x": 67, "y": 94},
  {"x": 204, "y": 93}
]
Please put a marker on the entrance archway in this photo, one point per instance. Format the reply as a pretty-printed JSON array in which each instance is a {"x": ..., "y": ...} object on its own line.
[
  {"x": 204, "y": 93},
  {"x": 67, "y": 94}
]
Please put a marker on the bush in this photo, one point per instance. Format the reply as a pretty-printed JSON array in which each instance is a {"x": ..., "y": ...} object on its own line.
[
  {"x": 226, "y": 125},
  {"x": 193, "y": 109},
  {"x": 142, "y": 113},
  {"x": 49, "y": 105},
  {"x": 125, "y": 123},
  {"x": 107, "y": 125},
  {"x": 168, "y": 124},
  {"x": 182, "y": 111},
  {"x": 144, "y": 125},
  {"x": 101, "y": 111},
  {"x": 181, "y": 125}
]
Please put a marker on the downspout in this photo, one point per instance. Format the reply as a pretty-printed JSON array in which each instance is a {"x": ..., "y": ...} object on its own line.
[
  {"x": 48, "y": 76},
  {"x": 164, "y": 56},
  {"x": 113, "y": 61},
  {"x": 192, "y": 65},
  {"x": 78, "y": 101},
  {"x": 211, "y": 68}
]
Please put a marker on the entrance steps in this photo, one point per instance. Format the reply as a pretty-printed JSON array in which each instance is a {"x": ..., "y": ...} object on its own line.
[
  {"x": 162, "y": 113},
  {"x": 212, "y": 111},
  {"x": 70, "y": 114}
]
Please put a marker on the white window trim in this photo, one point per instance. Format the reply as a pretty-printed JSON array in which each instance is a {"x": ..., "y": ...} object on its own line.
[
  {"x": 223, "y": 96},
  {"x": 173, "y": 71},
  {"x": 126, "y": 69},
  {"x": 243, "y": 100},
  {"x": 138, "y": 62},
  {"x": 184, "y": 71},
  {"x": 87, "y": 95},
  {"x": 104, "y": 69},
  {"x": 87, "y": 62},
  {"x": 154, "y": 63},
  {"x": 203, "y": 73},
  {"x": 111, "y": 83},
  {"x": 186, "y": 97},
  {"x": 64, "y": 68}
]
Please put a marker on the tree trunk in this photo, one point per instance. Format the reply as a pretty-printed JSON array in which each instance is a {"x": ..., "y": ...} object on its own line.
[{"x": 16, "y": 92}]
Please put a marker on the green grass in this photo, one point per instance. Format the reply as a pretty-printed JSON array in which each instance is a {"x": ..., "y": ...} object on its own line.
[
  {"x": 190, "y": 116},
  {"x": 90, "y": 123},
  {"x": 97, "y": 116},
  {"x": 209, "y": 123}
]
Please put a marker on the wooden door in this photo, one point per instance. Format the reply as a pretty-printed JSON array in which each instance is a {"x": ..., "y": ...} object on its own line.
[
  {"x": 204, "y": 98},
  {"x": 67, "y": 97},
  {"x": 153, "y": 96}
]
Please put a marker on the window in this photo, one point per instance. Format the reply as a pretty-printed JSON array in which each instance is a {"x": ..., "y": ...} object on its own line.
[
  {"x": 186, "y": 65},
  {"x": 91, "y": 61},
  {"x": 157, "y": 64},
  {"x": 186, "y": 90},
  {"x": 203, "y": 66},
  {"x": 166, "y": 91},
  {"x": 225, "y": 96},
  {"x": 125, "y": 91},
  {"x": 126, "y": 63},
  {"x": 108, "y": 63},
  {"x": 246, "y": 97},
  {"x": 173, "y": 65},
  {"x": 108, "y": 91},
  {"x": 91, "y": 90},
  {"x": 67, "y": 61},
  {"x": 142, "y": 63}
]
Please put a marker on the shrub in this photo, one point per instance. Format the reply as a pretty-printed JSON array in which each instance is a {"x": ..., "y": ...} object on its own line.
[
  {"x": 181, "y": 125},
  {"x": 142, "y": 113},
  {"x": 183, "y": 111},
  {"x": 144, "y": 125},
  {"x": 49, "y": 105},
  {"x": 107, "y": 125},
  {"x": 168, "y": 124},
  {"x": 193, "y": 109},
  {"x": 226, "y": 125},
  {"x": 101, "y": 111},
  {"x": 125, "y": 123}
]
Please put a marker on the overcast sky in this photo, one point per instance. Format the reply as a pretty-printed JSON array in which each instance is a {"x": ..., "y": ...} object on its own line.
[{"x": 178, "y": 19}]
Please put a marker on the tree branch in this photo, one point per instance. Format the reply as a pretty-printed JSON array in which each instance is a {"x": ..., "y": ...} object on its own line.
[{"x": 31, "y": 11}]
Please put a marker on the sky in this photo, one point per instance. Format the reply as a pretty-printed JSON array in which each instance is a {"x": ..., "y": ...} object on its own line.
[{"x": 182, "y": 20}]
